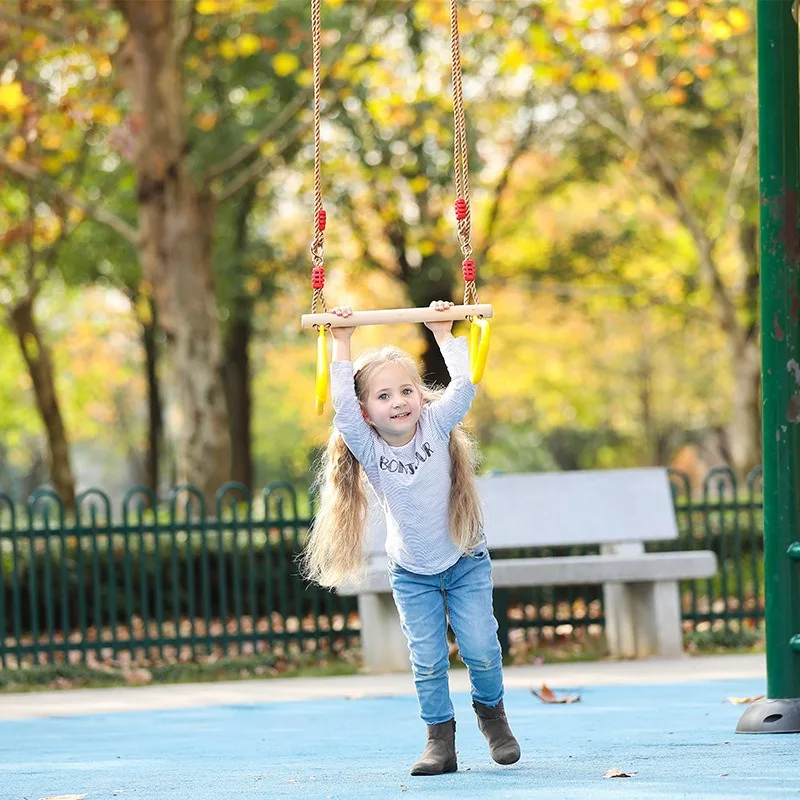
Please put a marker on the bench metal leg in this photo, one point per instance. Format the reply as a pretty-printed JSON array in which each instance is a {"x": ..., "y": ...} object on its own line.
[
  {"x": 620, "y": 624},
  {"x": 643, "y": 619},
  {"x": 383, "y": 644},
  {"x": 659, "y": 614}
]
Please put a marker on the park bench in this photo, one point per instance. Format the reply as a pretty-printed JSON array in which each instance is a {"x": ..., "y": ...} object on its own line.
[{"x": 619, "y": 510}]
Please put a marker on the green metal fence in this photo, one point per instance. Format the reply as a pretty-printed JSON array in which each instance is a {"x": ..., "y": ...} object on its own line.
[
  {"x": 161, "y": 582},
  {"x": 727, "y": 518},
  {"x": 175, "y": 580}
]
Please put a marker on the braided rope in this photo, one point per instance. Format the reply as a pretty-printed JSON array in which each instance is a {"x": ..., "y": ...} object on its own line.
[
  {"x": 460, "y": 164},
  {"x": 318, "y": 242},
  {"x": 461, "y": 160}
]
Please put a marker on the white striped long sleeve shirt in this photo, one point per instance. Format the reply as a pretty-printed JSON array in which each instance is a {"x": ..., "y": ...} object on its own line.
[{"x": 412, "y": 482}]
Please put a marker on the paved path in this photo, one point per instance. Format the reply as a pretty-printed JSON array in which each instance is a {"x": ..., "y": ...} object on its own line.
[
  {"x": 354, "y": 738},
  {"x": 275, "y": 690}
]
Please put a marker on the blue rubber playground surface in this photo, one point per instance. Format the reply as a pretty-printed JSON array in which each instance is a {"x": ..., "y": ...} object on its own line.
[{"x": 678, "y": 739}]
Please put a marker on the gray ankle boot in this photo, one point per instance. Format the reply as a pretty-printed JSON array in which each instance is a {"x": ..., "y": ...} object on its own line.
[
  {"x": 503, "y": 747},
  {"x": 440, "y": 752}
]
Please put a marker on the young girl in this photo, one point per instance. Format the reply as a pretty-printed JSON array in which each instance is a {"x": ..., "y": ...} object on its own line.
[{"x": 408, "y": 442}]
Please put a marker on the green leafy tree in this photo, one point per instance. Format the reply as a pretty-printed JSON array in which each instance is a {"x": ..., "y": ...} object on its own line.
[
  {"x": 664, "y": 95},
  {"x": 165, "y": 49},
  {"x": 49, "y": 115}
]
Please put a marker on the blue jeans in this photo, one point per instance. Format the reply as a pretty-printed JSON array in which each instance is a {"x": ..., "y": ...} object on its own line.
[{"x": 461, "y": 594}]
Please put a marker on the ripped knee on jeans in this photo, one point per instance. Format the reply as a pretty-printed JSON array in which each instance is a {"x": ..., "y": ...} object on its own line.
[
  {"x": 430, "y": 670},
  {"x": 485, "y": 662}
]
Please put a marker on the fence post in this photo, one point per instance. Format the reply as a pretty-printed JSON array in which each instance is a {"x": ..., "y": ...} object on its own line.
[{"x": 779, "y": 167}]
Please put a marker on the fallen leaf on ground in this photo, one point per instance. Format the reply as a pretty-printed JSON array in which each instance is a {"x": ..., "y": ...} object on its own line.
[
  {"x": 618, "y": 773},
  {"x": 547, "y": 695},
  {"x": 739, "y": 701}
]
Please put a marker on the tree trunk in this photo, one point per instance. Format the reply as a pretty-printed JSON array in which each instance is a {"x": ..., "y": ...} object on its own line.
[
  {"x": 434, "y": 280},
  {"x": 744, "y": 431},
  {"x": 155, "y": 419},
  {"x": 236, "y": 371},
  {"x": 433, "y": 367},
  {"x": 175, "y": 246},
  {"x": 644, "y": 379},
  {"x": 40, "y": 368},
  {"x": 237, "y": 389}
]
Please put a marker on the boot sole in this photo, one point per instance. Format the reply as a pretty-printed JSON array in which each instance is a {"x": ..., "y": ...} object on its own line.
[
  {"x": 447, "y": 768},
  {"x": 507, "y": 763}
]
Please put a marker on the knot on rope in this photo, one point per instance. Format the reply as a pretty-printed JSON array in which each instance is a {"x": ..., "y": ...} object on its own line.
[
  {"x": 468, "y": 268},
  {"x": 461, "y": 208},
  {"x": 318, "y": 277},
  {"x": 322, "y": 218}
]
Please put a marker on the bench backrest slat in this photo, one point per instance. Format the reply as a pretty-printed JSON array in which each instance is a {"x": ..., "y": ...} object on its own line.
[
  {"x": 547, "y": 509},
  {"x": 575, "y": 508}
]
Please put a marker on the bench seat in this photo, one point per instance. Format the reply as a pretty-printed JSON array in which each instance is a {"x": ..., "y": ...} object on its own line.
[{"x": 575, "y": 570}]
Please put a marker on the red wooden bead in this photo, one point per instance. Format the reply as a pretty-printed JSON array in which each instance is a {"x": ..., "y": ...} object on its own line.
[
  {"x": 318, "y": 278},
  {"x": 468, "y": 268},
  {"x": 461, "y": 208},
  {"x": 322, "y": 218}
]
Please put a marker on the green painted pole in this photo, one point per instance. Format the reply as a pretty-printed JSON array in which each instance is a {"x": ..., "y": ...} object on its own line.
[{"x": 779, "y": 168}]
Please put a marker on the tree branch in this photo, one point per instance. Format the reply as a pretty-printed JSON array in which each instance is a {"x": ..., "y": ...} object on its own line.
[
  {"x": 34, "y": 175},
  {"x": 613, "y": 293},
  {"x": 361, "y": 235},
  {"x": 139, "y": 13},
  {"x": 664, "y": 174},
  {"x": 670, "y": 184},
  {"x": 258, "y": 167},
  {"x": 261, "y": 165},
  {"x": 299, "y": 101},
  {"x": 629, "y": 138},
  {"x": 33, "y": 284},
  {"x": 397, "y": 235},
  {"x": 737, "y": 172},
  {"x": 246, "y": 151},
  {"x": 49, "y": 253},
  {"x": 519, "y": 150},
  {"x": 185, "y": 29},
  {"x": 32, "y": 24}
]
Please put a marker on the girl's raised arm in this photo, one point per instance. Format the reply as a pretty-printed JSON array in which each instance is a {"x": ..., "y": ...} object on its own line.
[
  {"x": 347, "y": 416},
  {"x": 454, "y": 404}
]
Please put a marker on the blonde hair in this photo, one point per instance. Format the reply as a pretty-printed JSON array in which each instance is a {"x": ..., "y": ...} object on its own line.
[{"x": 334, "y": 553}]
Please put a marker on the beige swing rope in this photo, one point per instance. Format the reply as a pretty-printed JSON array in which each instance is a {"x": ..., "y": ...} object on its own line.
[
  {"x": 461, "y": 162},
  {"x": 318, "y": 242},
  {"x": 460, "y": 166}
]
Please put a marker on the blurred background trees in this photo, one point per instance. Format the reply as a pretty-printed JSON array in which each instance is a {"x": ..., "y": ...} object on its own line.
[{"x": 156, "y": 203}]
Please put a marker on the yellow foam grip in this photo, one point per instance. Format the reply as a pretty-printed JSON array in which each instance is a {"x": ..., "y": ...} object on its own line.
[
  {"x": 479, "y": 336},
  {"x": 322, "y": 371}
]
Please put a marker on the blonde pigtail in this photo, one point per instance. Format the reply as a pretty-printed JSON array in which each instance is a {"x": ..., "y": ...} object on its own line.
[
  {"x": 334, "y": 554},
  {"x": 466, "y": 516}
]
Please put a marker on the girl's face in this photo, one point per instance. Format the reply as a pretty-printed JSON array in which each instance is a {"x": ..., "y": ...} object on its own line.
[{"x": 393, "y": 404}]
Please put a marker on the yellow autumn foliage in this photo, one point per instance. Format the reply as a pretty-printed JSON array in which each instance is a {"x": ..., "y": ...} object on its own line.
[
  {"x": 12, "y": 98},
  {"x": 285, "y": 64}
]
